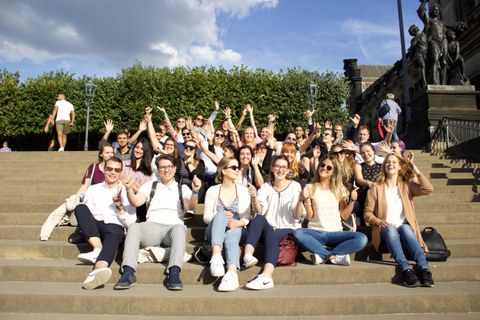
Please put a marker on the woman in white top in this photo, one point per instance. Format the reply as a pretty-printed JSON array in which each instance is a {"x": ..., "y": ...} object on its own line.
[
  {"x": 326, "y": 204},
  {"x": 275, "y": 206},
  {"x": 227, "y": 212}
]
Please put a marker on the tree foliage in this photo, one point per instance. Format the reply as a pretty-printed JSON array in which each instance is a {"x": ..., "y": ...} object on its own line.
[{"x": 183, "y": 91}]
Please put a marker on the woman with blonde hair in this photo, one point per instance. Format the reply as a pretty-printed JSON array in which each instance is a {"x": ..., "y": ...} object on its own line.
[
  {"x": 227, "y": 212},
  {"x": 389, "y": 209},
  {"x": 325, "y": 203}
]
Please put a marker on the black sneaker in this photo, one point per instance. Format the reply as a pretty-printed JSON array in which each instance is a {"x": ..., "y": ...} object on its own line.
[
  {"x": 174, "y": 283},
  {"x": 410, "y": 279},
  {"x": 125, "y": 282},
  {"x": 426, "y": 278}
]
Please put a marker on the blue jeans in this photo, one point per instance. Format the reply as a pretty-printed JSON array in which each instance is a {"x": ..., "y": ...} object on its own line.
[
  {"x": 341, "y": 242},
  {"x": 218, "y": 234},
  {"x": 404, "y": 236}
]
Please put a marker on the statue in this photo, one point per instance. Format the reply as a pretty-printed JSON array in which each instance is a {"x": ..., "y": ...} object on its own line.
[
  {"x": 437, "y": 44},
  {"x": 456, "y": 64},
  {"x": 418, "y": 50}
]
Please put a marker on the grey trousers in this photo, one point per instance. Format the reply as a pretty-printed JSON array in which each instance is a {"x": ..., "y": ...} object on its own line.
[{"x": 148, "y": 234}]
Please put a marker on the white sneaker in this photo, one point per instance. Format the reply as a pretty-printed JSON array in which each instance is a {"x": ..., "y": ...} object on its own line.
[
  {"x": 261, "y": 282},
  {"x": 250, "y": 261},
  {"x": 217, "y": 268},
  {"x": 96, "y": 278},
  {"x": 61, "y": 149},
  {"x": 88, "y": 257},
  {"x": 316, "y": 259},
  {"x": 229, "y": 282},
  {"x": 342, "y": 260}
]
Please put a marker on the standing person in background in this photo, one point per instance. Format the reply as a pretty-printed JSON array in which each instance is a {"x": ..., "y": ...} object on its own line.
[
  {"x": 5, "y": 147},
  {"x": 61, "y": 113},
  {"x": 392, "y": 114}
]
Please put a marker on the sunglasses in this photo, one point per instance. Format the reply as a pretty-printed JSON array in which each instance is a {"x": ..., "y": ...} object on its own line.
[
  {"x": 323, "y": 165},
  {"x": 181, "y": 121},
  {"x": 292, "y": 138},
  {"x": 336, "y": 153},
  {"x": 234, "y": 168},
  {"x": 110, "y": 169},
  {"x": 199, "y": 119},
  {"x": 219, "y": 135},
  {"x": 186, "y": 133},
  {"x": 190, "y": 147},
  {"x": 326, "y": 133}
]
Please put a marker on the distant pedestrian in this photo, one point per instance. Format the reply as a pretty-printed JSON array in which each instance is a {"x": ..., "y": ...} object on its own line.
[
  {"x": 389, "y": 110},
  {"x": 61, "y": 112},
  {"x": 5, "y": 147}
]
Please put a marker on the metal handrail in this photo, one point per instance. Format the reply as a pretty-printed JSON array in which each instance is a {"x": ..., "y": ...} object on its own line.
[{"x": 450, "y": 132}]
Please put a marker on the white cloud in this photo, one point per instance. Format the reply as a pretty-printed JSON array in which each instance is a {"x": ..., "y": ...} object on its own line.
[{"x": 159, "y": 32}]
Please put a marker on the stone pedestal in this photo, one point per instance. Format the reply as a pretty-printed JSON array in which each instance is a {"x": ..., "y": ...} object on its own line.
[{"x": 431, "y": 104}]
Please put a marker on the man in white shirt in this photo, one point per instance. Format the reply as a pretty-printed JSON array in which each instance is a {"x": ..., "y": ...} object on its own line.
[
  {"x": 103, "y": 218},
  {"x": 62, "y": 110},
  {"x": 164, "y": 225}
]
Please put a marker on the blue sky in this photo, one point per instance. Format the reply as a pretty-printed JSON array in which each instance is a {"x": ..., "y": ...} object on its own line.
[{"x": 100, "y": 37}]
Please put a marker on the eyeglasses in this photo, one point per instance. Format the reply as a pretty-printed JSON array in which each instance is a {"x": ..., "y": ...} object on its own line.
[
  {"x": 219, "y": 135},
  {"x": 323, "y": 165},
  {"x": 326, "y": 134},
  {"x": 279, "y": 167},
  {"x": 169, "y": 145},
  {"x": 336, "y": 153},
  {"x": 187, "y": 147},
  {"x": 234, "y": 168},
  {"x": 110, "y": 169},
  {"x": 165, "y": 168}
]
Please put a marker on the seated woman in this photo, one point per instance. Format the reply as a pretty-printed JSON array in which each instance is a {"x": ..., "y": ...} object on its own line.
[
  {"x": 366, "y": 173},
  {"x": 227, "y": 212},
  {"x": 275, "y": 206},
  {"x": 249, "y": 167},
  {"x": 325, "y": 204},
  {"x": 195, "y": 167},
  {"x": 389, "y": 209},
  {"x": 139, "y": 166},
  {"x": 93, "y": 175},
  {"x": 297, "y": 169}
]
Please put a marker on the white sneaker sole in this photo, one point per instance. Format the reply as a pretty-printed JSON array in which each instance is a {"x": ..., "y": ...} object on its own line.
[
  {"x": 100, "y": 278},
  {"x": 251, "y": 263}
]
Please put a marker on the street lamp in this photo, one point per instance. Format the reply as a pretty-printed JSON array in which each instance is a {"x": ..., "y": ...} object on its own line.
[
  {"x": 313, "y": 94},
  {"x": 90, "y": 90}
]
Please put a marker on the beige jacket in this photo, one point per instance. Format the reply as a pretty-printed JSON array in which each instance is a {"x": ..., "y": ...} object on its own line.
[{"x": 376, "y": 206}]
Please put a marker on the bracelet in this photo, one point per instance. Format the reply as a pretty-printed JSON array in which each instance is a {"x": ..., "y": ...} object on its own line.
[{"x": 194, "y": 192}]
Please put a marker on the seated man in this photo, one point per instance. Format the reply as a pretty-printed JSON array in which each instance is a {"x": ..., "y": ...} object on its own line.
[
  {"x": 164, "y": 225},
  {"x": 103, "y": 217}
]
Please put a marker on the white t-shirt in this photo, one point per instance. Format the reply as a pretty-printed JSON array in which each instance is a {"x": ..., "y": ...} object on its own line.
[
  {"x": 395, "y": 214},
  {"x": 165, "y": 206},
  {"x": 64, "y": 110}
]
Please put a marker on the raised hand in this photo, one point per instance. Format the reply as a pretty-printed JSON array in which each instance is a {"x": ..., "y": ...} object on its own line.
[
  {"x": 148, "y": 110},
  {"x": 356, "y": 120},
  {"x": 354, "y": 195},
  {"x": 128, "y": 181},
  {"x": 328, "y": 124},
  {"x": 117, "y": 198},
  {"x": 143, "y": 125},
  {"x": 252, "y": 191},
  {"x": 196, "y": 183},
  {"x": 410, "y": 156},
  {"x": 217, "y": 105},
  {"x": 383, "y": 147},
  {"x": 161, "y": 109},
  {"x": 109, "y": 125}
]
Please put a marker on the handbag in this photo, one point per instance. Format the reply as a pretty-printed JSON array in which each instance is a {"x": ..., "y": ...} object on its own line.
[
  {"x": 384, "y": 109},
  {"x": 288, "y": 252},
  {"x": 350, "y": 224},
  {"x": 437, "y": 249}
]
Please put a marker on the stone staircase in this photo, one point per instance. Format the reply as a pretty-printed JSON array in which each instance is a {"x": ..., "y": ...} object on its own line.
[{"x": 44, "y": 278}]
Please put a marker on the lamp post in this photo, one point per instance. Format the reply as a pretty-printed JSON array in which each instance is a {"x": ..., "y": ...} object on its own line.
[
  {"x": 313, "y": 94},
  {"x": 90, "y": 90}
]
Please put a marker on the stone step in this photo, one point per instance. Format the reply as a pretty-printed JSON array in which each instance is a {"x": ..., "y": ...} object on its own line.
[
  {"x": 196, "y": 233},
  {"x": 404, "y": 316},
  {"x": 61, "y": 249},
  {"x": 448, "y": 206},
  {"x": 288, "y": 300},
  {"x": 434, "y": 218},
  {"x": 359, "y": 272}
]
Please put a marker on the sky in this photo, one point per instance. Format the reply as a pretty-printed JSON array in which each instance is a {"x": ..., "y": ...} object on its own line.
[{"x": 100, "y": 37}]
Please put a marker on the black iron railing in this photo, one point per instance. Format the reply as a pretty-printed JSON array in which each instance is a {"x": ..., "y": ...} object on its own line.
[{"x": 450, "y": 132}]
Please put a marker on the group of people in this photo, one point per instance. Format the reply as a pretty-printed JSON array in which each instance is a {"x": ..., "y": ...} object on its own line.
[{"x": 255, "y": 189}]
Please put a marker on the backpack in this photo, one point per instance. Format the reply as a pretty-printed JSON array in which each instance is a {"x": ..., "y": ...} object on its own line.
[
  {"x": 154, "y": 189},
  {"x": 437, "y": 249},
  {"x": 384, "y": 109}
]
